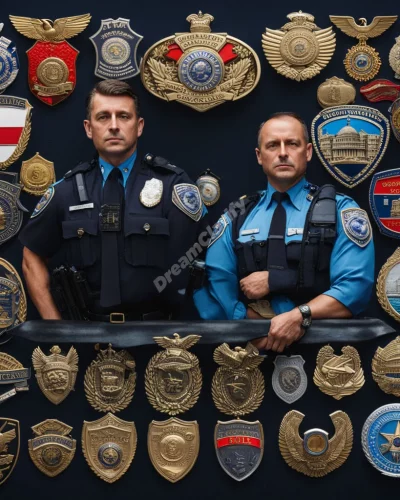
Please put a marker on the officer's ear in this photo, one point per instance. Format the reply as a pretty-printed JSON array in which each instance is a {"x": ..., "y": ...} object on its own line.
[
  {"x": 258, "y": 154},
  {"x": 140, "y": 126},
  {"x": 88, "y": 128},
  {"x": 309, "y": 151}
]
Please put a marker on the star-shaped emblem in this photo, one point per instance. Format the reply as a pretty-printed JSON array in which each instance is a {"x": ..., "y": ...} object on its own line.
[{"x": 393, "y": 443}]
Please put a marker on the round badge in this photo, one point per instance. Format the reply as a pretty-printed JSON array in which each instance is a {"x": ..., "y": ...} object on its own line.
[
  {"x": 362, "y": 62},
  {"x": 299, "y": 47},
  {"x": 201, "y": 70},
  {"x": 209, "y": 189},
  {"x": 52, "y": 71},
  {"x": 116, "y": 51},
  {"x": 358, "y": 226},
  {"x": 381, "y": 439},
  {"x": 316, "y": 442},
  {"x": 110, "y": 455}
]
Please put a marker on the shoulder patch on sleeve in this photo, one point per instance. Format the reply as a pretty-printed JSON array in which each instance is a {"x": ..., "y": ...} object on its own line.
[
  {"x": 218, "y": 230},
  {"x": 43, "y": 202},
  {"x": 356, "y": 225},
  {"x": 187, "y": 198}
]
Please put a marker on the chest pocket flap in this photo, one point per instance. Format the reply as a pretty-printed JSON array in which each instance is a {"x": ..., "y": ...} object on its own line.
[
  {"x": 146, "y": 240},
  {"x": 80, "y": 236}
]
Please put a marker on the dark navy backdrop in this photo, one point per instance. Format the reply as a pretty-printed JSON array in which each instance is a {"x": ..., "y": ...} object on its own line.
[{"x": 222, "y": 139}]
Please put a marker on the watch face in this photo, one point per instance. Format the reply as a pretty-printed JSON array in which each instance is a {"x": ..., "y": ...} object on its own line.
[{"x": 306, "y": 322}]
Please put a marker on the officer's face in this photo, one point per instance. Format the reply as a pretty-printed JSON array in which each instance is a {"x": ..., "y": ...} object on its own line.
[
  {"x": 114, "y": 127},
  {"x": 283, "y": 152}
]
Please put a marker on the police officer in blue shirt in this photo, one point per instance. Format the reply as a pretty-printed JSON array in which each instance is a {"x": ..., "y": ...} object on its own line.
[
  {"x": 122, "y": 219},
  {"x": 307, "y": 250}
]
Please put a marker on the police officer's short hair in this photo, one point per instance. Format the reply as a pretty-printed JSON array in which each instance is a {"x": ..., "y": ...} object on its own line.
[
  {"x": 111, "y": 87},
  {"x": 282, "y": 114}
]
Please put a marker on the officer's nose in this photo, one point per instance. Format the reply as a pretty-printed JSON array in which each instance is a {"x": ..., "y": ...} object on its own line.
[
  {"x": 283, "y": 151},
  {"x": 113, "y": 123}
]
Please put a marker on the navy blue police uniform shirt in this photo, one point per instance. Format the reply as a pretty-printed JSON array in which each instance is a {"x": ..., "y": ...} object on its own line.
[
  {"x": 152, "y": 241},
  {"x": 351, "y": 265}
]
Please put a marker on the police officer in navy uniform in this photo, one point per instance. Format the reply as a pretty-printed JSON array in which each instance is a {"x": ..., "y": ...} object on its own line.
[
  {"x": 122, "y": 219},
  {"x": 294, "y": 252}
]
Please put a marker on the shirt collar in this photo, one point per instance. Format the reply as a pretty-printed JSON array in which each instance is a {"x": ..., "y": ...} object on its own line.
[
  {"x": 294, "y": 193},
  {"x": 125, "y": 168}
]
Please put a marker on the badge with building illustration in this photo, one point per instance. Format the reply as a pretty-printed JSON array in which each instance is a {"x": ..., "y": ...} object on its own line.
[
  {"x": 300, "y": 49},
  {"x": 350, "y": 141},
  {"x": 200, "y": 69},
  {"x": 238, "y": 389},
  {"x": 315, "y": 455},
  {"x": 116, "y": 46},
  {"x": 386, "y": 367},
  {"x": 380, "y": 439},
  {"x": 384, "y": 201},
  {"x": 9, "y": 63},
  {"x": 388, "y": 285}
]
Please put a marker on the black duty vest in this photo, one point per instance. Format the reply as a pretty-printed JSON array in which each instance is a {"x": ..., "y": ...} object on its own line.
[{"x": 307, "y": 274}]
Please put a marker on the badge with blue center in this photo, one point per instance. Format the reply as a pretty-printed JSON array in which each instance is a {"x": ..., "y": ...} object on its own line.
[
  {"x": 217, "y": 230},
  {"x": 116, "y": 49},
  {"x": 43, "y": 202},
  {"x": 200, "y": 69},
  {"x": 187, "y": 198},
  {"x": 350, "y": 141},
  {"x": 384, "y": 200},
  {"x": 9, "y": 63},
  {"x": 11, "y": 208},
  {"x": 381, "y": 439}
]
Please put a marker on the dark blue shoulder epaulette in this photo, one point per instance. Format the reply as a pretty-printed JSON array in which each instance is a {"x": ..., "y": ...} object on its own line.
[
  {"x": 159, "y": 162},
  {"x": 80, "y": 169}
]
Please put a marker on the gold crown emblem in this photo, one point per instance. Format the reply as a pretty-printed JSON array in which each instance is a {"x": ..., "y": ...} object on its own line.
[
  {"x": 300, "y": 16},
  {"x": 200, "y": 23}
]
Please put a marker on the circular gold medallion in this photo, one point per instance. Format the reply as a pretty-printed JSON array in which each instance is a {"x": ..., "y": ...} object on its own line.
[
  {"x": 116, "y": 51},
  {"x": 362, "y": 62},
  {"x": 299, "y": 47},
  {"x": 52, "y": 71}
]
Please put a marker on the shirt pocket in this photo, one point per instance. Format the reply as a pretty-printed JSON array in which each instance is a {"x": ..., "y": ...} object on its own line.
[
  {"x": 80, "y": 236},
  {"x": 146, "y": 241}
]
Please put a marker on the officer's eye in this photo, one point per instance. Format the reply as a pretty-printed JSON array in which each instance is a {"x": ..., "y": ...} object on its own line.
[
  {"x": 271, "y": 145},
  {"x": 125, "y": 116},
  {"x": 102, "y": 118}
]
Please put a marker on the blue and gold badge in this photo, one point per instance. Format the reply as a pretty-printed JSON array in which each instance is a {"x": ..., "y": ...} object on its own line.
[
  {"x": 209, "y": 187},
  {"x": 350, "y": 141},
  {"x": 356, "y": 226},
  {"x": 9, "y": 63},
  {"x": 116, "y": 49},
  {"x": 384, "y": 200},
  {"x": 381, "y": 439},
  {"x": 200, "y": 69},
  {"x": 217, "y": 230},
  {"x": 11, "y": 209},
  {"x": 187, "y": 198},
  {"x": 43, "y": 202}
]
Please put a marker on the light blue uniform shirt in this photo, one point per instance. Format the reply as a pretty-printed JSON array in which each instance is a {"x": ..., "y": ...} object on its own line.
[
  {"x": 351, "y": 267},
  {"x": 125, "y": 168}
]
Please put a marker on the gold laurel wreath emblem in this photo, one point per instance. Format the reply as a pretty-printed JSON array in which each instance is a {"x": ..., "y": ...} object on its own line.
[
  {"x": 222, "y": 399},
  {"x": 158, "y": 401},
  {"x": 96, "y": 400},
  {"x": 386, "y": 367},
  {"x": 22, "y": 143}
]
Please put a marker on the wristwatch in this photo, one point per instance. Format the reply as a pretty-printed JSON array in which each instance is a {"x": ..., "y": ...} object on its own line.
[{"x": 306, "y": 313}]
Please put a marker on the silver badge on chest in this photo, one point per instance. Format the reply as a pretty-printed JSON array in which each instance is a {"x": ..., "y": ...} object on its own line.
[
  {"x": 151, "y": 194},
  {"x": 289, "y": 379}
]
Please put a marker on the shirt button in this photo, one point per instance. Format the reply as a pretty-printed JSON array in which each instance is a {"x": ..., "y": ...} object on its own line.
[
  {"x": 126, "y": 170},
  {"x": 147, "y": 227}
]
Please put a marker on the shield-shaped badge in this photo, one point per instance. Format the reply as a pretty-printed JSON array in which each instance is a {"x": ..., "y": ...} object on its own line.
[
  {"x": 240, "y": 446},
  {"x": 151, "y": 194},
  {"x": 15, "y": 128},
  {"x": 52, "y": 450},
  {"x": 388, "y": 285},
  {"x": 110, "y": 380},
  {"x": 11, "y": 208},
  {"x": 56, "y": 374},
  {"x": 350, "y": 141},
  {"x": 384, "y": 200},
  {"x": 116, "y": 47},
  {"x": 9, "y": 447},
  {"x": 37, "y": 175},
  {"x": 109, "y": 445},
  {"x": 173, "y": 447},
  {"x": 52, "y": 71},
  {"x": 289, "y": 379},
  {"x": 9, "y": 63}
]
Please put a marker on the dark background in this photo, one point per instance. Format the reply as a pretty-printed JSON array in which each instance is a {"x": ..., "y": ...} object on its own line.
[{"x": 222, "y": 139}]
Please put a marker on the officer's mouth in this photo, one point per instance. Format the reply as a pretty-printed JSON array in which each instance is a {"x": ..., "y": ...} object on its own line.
[
  {"x": 284, "y": 165},
  {"x": 114, "y": 139}
]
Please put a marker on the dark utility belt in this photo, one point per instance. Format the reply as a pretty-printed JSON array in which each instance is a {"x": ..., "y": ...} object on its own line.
[
  {"x": 141, "y": 333},
  {"x": 120, "y": 318}
]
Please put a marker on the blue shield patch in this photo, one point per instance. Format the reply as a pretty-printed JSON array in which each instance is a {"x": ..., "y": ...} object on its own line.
[
  {"x": 187, "y": 198},
  {"x": 384, "y": 200},
  {"x": 217, "y": 230},
  {"x": 9, "y": 63},
  {"x": 381, "y": 439},
  {"x": 350, "y": 141},
  {"x": 116, "y": 46},
  {"x": 43, "y": 202},
  {"x": 356, "y": 226}
]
